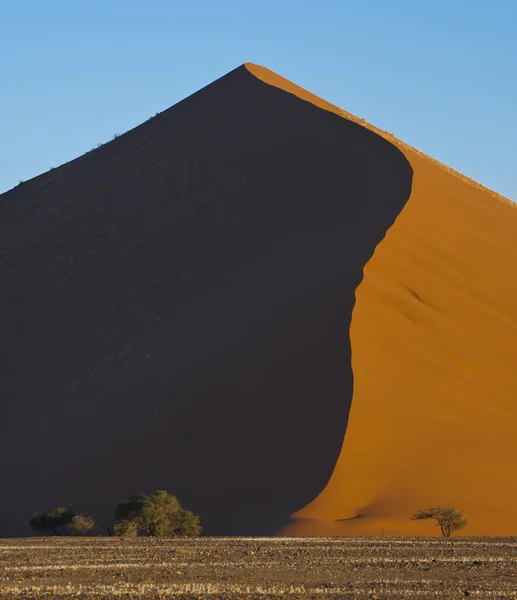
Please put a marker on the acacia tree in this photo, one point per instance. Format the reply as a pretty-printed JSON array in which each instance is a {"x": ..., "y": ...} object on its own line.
[
  {"x": 80, "y": 525},
  {"x": 447, "y": 518},
  {"x": 62, "y": 521},
  {"x": 54, "y": 520},
  {"x": 160, "y": 514}
]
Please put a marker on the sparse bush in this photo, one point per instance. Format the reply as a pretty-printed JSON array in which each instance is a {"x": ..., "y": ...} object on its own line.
[
  {"x": 62, "y": 521},
  {"x": 130, "y": 528},
  {"x": 189, "y": 524},
  {"x": 80, "y": 525},
  {"x": 54, "y": 520},
  {"x": 447, "y": 518},
  {"x": 160, "y": 514}
]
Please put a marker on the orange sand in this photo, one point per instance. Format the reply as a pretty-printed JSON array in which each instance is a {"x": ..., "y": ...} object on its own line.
[{"x": 434, "y": 355}]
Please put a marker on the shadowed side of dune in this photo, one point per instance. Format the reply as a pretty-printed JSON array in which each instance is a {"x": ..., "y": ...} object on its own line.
[{"x": 175, "y": 309}]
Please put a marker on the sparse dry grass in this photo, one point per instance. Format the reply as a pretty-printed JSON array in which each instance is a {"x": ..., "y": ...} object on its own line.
[{"x": 258, "y": 568}]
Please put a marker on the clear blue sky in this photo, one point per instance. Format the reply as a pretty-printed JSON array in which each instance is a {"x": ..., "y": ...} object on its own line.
[{"x": 440, "y": 74}]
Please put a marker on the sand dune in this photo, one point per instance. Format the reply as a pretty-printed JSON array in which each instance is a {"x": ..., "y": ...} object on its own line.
[
  {"x": 177, "y": 311},
  {"x": 434, "y": 349}
]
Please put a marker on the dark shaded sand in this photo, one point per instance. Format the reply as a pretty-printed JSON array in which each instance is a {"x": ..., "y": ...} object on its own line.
[{"x": 175, "y": 309}]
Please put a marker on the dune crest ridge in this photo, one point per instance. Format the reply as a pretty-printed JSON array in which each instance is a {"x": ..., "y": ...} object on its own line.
[
  {"x": 277, "y": 80},
  {"x": 434, "y": 349}
]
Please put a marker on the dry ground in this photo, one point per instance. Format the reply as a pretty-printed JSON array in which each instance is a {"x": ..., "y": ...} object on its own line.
[{"x": 259, "y": 567}]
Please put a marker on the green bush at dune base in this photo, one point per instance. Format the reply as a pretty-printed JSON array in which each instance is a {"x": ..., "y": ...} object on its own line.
[
  {"x": 80, "y": 525},
  {"x": 62, "y": 521},
  {"x": 158, "y": 515}
]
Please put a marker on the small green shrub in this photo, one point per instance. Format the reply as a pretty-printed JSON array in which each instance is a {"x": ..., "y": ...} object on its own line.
[
  {"x": 62, "y": 521},
  {"x": 80, "y": 525},
  {"x": 159, "y": 515},
  {"x": 54, "y": 520}
]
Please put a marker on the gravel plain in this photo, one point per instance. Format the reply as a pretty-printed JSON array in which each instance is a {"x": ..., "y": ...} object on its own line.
[{"x": 258, "y": 568}]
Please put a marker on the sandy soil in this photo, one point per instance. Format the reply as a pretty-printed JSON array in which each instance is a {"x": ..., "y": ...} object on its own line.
[{"x": 259, "y": 567}]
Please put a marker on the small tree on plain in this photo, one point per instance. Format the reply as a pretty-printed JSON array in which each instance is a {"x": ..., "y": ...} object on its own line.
[
  {"x": 447, "y": 518},
  {"x": 160, "y": 514},
  {"x": 80, "y": 525},
  {"x": 54, "y": 520}
]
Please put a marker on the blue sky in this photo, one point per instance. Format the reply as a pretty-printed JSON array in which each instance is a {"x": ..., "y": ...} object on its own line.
[{"x": 441, "y": 75}]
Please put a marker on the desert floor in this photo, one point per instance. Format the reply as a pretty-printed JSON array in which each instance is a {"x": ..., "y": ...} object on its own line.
[{"x": 259, "y": 568}]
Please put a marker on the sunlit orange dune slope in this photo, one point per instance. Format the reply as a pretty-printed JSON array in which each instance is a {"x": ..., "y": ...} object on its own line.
[{"x": 433, "y": 419}]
